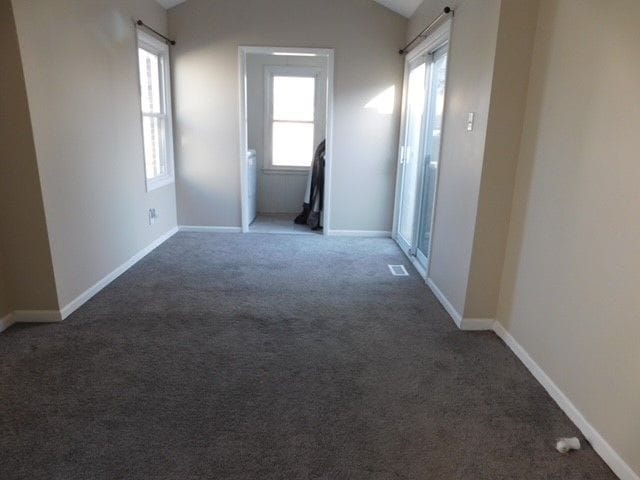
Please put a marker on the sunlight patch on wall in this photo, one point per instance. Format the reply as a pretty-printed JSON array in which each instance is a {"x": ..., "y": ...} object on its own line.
[{"x": 384, "y": 102}]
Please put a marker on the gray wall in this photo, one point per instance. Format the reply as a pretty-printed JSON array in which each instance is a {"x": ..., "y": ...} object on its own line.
[
  {"x": 26, "y": 268},
  {"x": 81, "y": 76},
  {"x": 471, "y": 62},
  {"x": 278, "y": 192},
  {"x": 514, "y": 46},
  {"x": 365, "y": 36},
  {"x": 489, "y": 60},
  {"x": 570, "y": 283}
]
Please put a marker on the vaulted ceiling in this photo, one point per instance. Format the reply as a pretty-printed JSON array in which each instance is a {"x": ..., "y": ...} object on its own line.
[
  {"x": 169, "y": 3},
  {"x": 406, "y": 8},
  {"x": 403, "y": 7}
]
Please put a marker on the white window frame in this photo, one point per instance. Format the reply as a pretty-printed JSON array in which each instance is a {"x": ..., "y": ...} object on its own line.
[
  {"x": 161, "y": 49},
  {"x": 272, "y": 71}
]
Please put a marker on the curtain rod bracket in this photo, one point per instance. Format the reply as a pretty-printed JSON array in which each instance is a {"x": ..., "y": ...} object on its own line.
[
  {"x": 445, "y": 11},
  {"x": 166, "y": 39}
]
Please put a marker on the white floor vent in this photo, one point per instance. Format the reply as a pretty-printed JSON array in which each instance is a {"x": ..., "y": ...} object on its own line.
[{"x": 398, "y": 271}]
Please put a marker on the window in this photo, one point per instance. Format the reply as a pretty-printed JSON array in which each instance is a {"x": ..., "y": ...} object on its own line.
[
  {"x": 291, "y": 124},
  {"x": 155, "y": 103}
]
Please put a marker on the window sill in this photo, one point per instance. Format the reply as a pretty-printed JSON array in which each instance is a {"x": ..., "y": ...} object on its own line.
[{"x": 159, "y": 182}]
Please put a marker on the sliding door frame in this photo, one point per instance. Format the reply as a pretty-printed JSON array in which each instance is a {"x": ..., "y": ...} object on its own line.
[{"x": 435, "y": 41}]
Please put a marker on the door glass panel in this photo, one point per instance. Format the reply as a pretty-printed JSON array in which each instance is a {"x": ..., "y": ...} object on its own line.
[
  {"x": 410, "y": 157},
  {"x": 433, "y": 129}
]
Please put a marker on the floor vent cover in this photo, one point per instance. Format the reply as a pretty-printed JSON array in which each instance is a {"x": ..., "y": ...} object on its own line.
[{"x": 398, "y": 271}]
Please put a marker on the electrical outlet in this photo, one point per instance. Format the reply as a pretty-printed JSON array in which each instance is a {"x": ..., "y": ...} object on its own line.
[{"x": 153, "y": 216}]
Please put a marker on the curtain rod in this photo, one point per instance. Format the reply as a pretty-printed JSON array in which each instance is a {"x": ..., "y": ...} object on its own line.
[
  {"x": 446, "y": 11},
  {"x": 168, "y": 40}
]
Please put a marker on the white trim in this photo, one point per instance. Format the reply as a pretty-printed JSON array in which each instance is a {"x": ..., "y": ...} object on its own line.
[
  {"x": 448, "y": 306},
  {"x": 328, "y": 165},
  {"x": 37, "y": 316},
  {"x": 199, "y": 229},
  {"x": 6, "y": 322},
  {"x": 317, "y": 52},
  {"x": 85, "y": 296},
  {"x": 159, "y": 182},
  {"x": 327, "y": 53},
  {"x": 414, "y": 261},
  {"x": 243, "y": 138},
  {"x": 359, "y": 233},
  {"x": 599, "y": 444},
  {"x": 468, "y": 324}
]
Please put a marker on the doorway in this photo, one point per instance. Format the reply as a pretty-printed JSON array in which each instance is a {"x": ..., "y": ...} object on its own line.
[
  {"x": 286, "y": 105},
  {"x": 420, "y": 142}
]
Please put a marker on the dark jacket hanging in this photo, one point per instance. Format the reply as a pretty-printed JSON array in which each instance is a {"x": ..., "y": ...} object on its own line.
[{"x": 313, "y": 203}]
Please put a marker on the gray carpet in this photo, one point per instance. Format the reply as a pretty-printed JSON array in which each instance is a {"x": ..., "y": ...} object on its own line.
[{"x": 273, "y": 357}]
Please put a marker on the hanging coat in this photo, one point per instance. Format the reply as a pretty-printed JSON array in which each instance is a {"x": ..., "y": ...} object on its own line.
[{"x": 314, "y": 196}]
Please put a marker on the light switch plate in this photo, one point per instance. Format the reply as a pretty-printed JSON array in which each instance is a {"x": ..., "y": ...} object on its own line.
[{"x": 470, "y": 121}]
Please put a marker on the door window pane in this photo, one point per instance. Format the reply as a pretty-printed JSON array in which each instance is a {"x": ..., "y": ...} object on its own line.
[
  {"x": 432, "y": 151},
  {"x": 292, "y": 144},
  {"x": 413, "y": 133},
  {"x": 294, "y": 98}
]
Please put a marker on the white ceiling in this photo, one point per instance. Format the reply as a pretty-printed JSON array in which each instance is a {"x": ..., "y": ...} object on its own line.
[
  {"x": 169, "y": 3},
  {"x": 403, "y": 7}
]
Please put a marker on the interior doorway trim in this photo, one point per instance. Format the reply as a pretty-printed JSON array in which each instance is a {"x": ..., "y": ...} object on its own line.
[{"x": 326, "y": 53}]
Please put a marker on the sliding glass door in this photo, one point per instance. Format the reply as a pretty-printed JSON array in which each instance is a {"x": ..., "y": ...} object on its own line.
[
  {"x": 410, "y": 152},
  {"x": 432, "y": 137},
  {"x": 420, "y": 153}
]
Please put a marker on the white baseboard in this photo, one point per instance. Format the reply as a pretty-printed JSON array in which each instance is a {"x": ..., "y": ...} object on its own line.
[
  {"x": 470, "y": 324},
  {"x": 81, "y": 299},
  {"x": 416, "y": 264},
  {"x": 599, "y": 444},
  {"x": 6, "y": 322},
  {"x": 195, "y": 228},
  {"x": 361, "y": 233},
  {"x": 451, "y": 310}
]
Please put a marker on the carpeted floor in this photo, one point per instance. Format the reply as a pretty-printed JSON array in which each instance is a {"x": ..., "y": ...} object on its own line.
[{"x": 273, "y": 357}]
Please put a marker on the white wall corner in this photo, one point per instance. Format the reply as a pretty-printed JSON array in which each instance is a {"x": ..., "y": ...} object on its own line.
[
  {"x": 85, "y": 296},
  {"x": 468, "y": 324},
  {"x": 6, "y": 322},
  {"x": 448, "y": 306},
  {"x": 599, "y": 444},
  {"x": 29, "y": 316}
]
